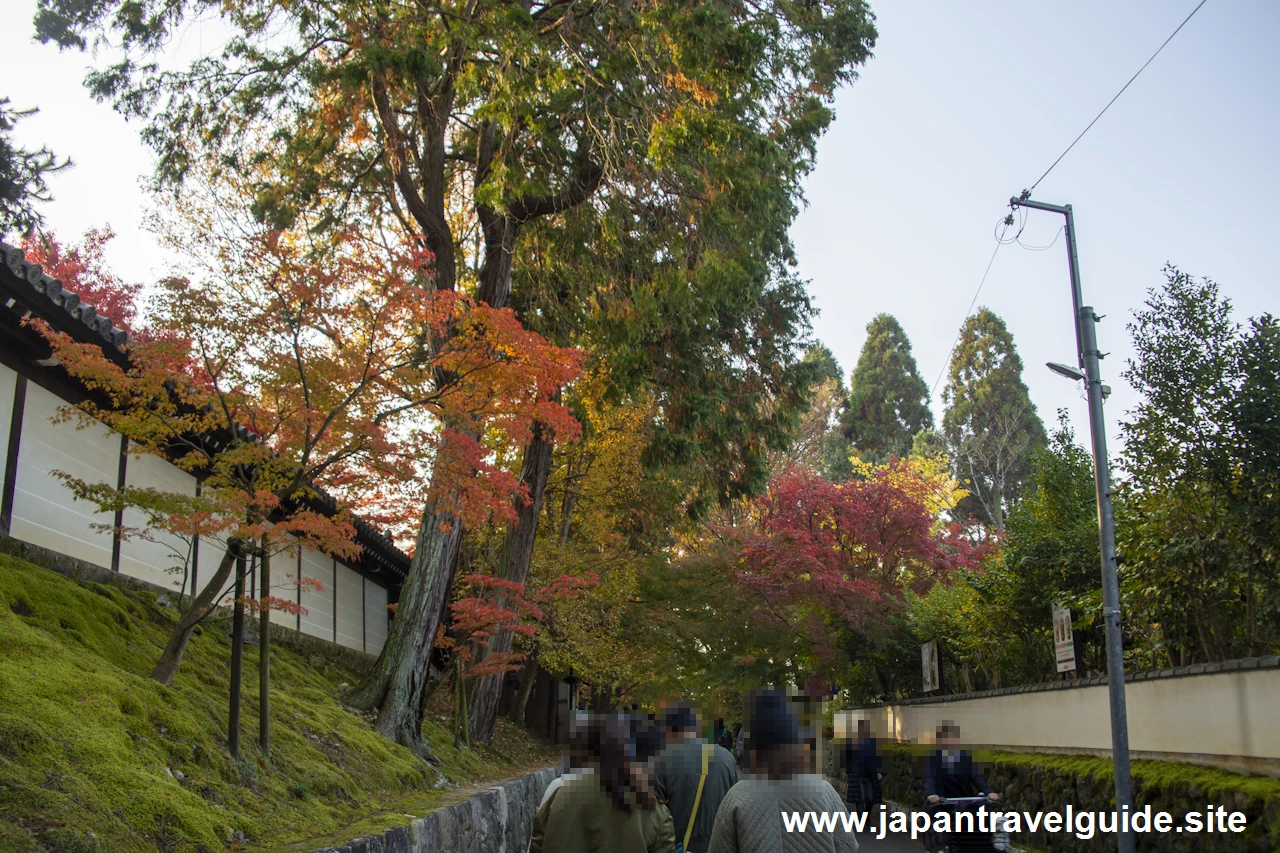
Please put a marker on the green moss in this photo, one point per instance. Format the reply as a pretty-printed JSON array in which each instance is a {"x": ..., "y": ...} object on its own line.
[{"x": 94, "y": 755}]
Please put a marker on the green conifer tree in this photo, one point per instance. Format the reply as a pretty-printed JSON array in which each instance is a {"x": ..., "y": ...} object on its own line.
[
  {"x": 888, "y": 400},
  {"x": 990, "y": 424}
]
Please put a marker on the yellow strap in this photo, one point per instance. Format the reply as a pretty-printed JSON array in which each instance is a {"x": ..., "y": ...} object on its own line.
[{"x": 708, "y": 750}]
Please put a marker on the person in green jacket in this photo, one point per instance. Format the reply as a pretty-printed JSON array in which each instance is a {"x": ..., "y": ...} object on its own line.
[
  {"x": 613, "y": 810},
  {"x": 679, "y": 781}
]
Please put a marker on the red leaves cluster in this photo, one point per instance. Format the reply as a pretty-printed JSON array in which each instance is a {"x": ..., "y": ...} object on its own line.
[
  {"x": 845, "y": 550},
  {"x": 489, "y": 606},
  {"x": 82, "y": 268}
]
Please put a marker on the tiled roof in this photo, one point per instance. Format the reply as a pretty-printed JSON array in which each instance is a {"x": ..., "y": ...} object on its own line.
[
  {"x": 49, "y": 295},
  {"x": 44, "y": 296}
]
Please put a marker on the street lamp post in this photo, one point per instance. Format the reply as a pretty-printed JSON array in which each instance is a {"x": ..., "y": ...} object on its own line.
[{"x": 1087, "y": 352}]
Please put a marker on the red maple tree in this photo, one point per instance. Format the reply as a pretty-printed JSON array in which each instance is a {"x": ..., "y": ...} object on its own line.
[
  {"x": 847, "y": 551},
  {"x": 294, "y": 366}
]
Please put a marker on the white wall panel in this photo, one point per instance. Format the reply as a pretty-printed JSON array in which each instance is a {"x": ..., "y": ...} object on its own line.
[
  {"x": 376, "y": 617},
  {"x": 8, "y": 381},
  {"x": 1222, "y": 719},
  {"x": 44, "y": 511},
  {"x": 350, "y": 603},
  {"x": 284, "y": 582},
  {"x": 160, "y": 561},
  {"x": 318, "y": 620}
]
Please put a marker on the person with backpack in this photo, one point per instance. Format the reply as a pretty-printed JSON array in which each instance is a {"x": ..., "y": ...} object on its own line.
[
  {"x": 692, "y": 777},
  {"x": 750, "y": 819}
]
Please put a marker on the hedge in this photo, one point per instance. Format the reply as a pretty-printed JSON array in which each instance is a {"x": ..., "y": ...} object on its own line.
[{"x": 1033, "y": 782}]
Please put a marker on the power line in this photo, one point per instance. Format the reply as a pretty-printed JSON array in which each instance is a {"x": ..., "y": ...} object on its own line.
[
  {"x": 1118, "y": 94},
  {"x": 1022, "y": 224},
  {"x": 972, "y": 302}
]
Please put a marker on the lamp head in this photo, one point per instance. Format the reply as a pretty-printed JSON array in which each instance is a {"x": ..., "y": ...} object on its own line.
[{"x": 1075, "y": 374}]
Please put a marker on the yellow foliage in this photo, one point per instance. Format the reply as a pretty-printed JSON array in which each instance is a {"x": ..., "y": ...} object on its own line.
[{"x": 930, "y": 475}]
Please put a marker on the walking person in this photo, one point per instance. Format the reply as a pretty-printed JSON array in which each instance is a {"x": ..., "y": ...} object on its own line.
[
  {"x": 863, "y": 767},
  {"x": 612, "y": 810},
  {"x": 578, "y": 762},
  {"x": 692, "y": 776},
  {"x": 750, "y": 818}
]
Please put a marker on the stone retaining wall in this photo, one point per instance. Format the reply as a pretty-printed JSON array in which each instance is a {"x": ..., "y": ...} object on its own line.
[{"x": 498, "y": 820}]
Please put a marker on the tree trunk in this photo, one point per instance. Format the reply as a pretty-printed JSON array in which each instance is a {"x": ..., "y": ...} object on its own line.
[
  {"x": 517, "y": 554},
  {"x": 264, "y": 656},
  {"x": 237, "y": 662},
  {"x": 200, "y": 607},
  {"x": 570, "y": 498},
  {"x": 395, "y": 689},
  {"x": 528, "y": 678}
]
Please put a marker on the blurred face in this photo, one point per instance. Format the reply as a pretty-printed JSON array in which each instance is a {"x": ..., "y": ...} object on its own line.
[
  {"x": 864, "y": 728},
  {"x": 949, "y": 738}
]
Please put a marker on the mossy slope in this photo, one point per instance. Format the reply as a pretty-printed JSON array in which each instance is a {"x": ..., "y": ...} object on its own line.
[{"x": 95, "y": 756}]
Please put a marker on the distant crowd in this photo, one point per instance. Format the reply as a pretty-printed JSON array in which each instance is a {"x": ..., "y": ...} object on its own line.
[{"x": 640, "y": 783}]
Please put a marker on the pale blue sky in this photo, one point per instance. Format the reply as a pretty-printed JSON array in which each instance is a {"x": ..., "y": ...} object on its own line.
[
  {"x": 963, "y": 105},
  {"x": 966, "y": 104}
]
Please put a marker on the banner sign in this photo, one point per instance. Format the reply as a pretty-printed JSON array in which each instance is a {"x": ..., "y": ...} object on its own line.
[{"x": 1064, "y": 643}]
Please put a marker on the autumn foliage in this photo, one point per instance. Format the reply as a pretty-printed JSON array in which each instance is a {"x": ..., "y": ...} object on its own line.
[
  {"x": 292, "y": 366},
  {"x": 82, "y": 268},
  {"x": 820, "y": 551},
  {"x": 488, "y": 605}
]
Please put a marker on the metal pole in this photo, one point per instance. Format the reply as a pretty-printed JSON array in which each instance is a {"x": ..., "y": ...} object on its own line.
[
  {"x": 237, "y": 659},
  {"x": 1087, "y": 351}
]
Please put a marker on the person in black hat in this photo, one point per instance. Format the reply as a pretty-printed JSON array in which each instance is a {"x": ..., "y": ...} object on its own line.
[
  {"x": 692, "y": 776},
  {"x": 750, "y": 818}
]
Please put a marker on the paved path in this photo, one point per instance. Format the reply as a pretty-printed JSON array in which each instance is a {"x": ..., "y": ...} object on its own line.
[{"x": 867, "y": 843}]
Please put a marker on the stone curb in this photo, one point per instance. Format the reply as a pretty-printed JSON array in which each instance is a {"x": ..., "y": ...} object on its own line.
[{"x": 497, "y": 820}]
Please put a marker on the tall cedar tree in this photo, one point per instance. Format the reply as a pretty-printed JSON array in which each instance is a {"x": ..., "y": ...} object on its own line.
[
  {"x": 888, "y": 401},
  {"x": 990, "y": 424},
  {"x": 468, "y": 123},
  {"x": 22, "y": 176}
]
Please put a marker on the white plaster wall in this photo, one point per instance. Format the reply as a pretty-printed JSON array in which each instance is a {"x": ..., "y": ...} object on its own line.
[
  {"x": 1212, "y": 714},
  {"x": 350, "y": 604},
  {"x": 8, "y": 382},
  {"x": 155, "y": 561},
  {"x": 376, "y": 617},
  {"x": 44, "y": 511},
  {"x": 318, "y": 620},
  {"x": 45, "y": 514}
]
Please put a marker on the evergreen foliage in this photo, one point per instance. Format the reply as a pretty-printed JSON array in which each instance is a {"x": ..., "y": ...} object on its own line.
[
  {"x": 888, "y": 400},
  {"x": 990, "y": 424},
  {"x": 22, "y": 175}
]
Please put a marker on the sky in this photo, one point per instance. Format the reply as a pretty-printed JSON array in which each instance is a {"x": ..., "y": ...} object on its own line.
[{"x": 962, "y": 106}]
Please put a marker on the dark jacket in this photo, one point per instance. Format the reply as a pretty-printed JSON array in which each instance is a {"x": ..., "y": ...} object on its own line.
[
  {"x": 862, "y": 765},
  {"x": 959, "y": 778},
  {"x": 676, "y": 774}
]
